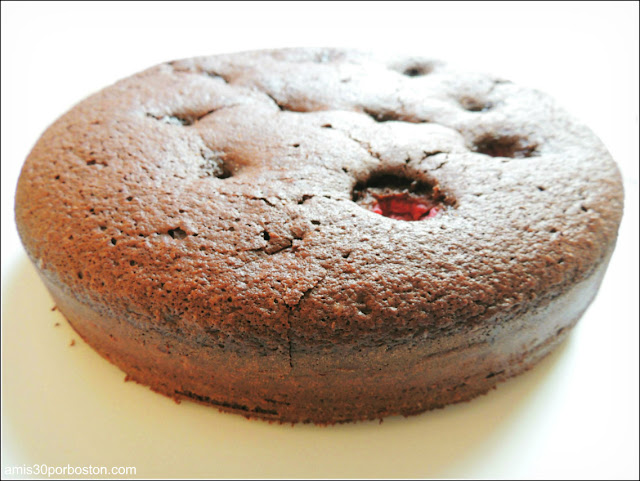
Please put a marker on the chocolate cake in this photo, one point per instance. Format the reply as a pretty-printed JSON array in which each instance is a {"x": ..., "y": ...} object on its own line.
[{"x": 319, "y": 235}]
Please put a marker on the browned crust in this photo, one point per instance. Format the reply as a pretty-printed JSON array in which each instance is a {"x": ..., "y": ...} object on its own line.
[
  {"x": 208, "y": 205},
  {"x": 338, "y": 385}
]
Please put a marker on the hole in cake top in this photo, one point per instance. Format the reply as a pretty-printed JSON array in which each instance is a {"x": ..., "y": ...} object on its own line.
[
  {"x": 504, "y": 146},
  {"x": 214, "y": 165},
  {"x": 304, "y": 198},
  {"x": 215, "y": 75},
  {"x": 417, "y": 70},
  {"x": 381, "y": 115},
  {"x": 475, "y": 105},
  {"x": 399, "y": 198},
  {"x": 177, "y": 233},
  {"x": 183, "y": 120},
  {"x": 387, "y": 115}
]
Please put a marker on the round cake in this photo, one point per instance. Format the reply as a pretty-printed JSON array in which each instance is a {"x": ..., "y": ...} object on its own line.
[{"x": 319, "y": 235}]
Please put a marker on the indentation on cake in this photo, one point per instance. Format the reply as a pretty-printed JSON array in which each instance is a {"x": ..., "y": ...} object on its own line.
[
  {"x": 381, "y": 114},
  {"x": 183, "y": 119},
  {"x": 177, "y": 233},
  {"x": 172, "y": 119},
  {"x": 180, "y": 67},
  {"x": 472, "y": 104},
  {"x": 97, "y": 162},
  {"x": 504, "y": 146},
  {"x": 287, "y": 106},
  {"x": 400, "y": 198},
  {"x": 418, "y": 70},
  {"x": 214, "y": 164},
  {"x": 305, "y": 198},
  {"x": 215, "y": 75}
]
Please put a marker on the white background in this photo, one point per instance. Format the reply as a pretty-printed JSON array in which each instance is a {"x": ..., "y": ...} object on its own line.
[{"x": 575, "y": 415}]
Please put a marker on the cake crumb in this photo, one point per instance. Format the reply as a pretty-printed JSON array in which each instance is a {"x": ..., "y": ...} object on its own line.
[
  {"x": 72, "y": 343},
  {"x": 54, "y": 308},
  {"x": 57, "y": 324}
]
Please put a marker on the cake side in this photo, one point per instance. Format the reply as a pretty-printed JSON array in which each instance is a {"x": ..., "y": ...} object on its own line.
[{"x": 341, "y": 384}]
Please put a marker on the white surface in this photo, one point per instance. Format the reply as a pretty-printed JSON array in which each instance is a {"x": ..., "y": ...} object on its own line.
[{"x": 575, "y": 415}]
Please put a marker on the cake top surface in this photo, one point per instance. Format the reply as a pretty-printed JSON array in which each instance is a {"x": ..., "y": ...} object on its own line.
[{"x": 333, "y": 195}]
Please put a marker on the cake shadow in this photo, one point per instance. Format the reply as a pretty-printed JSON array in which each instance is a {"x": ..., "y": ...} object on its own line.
[{"x": 63, "y": 403}]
